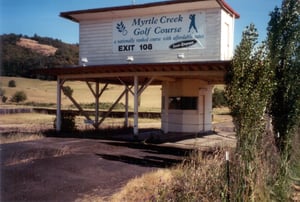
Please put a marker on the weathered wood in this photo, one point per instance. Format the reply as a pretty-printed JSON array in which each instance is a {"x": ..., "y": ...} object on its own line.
[
  {"x": 81, "y": 110},
  {"x": 110, "y": 109}
]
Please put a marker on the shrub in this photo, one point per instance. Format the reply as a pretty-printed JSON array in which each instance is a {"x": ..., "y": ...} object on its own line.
[
  {"x": 19, "y": 96},
  {"x": 102, "y": 105},
  {"x": 4, "y": 99},
  {"x": 67, "y": 90},
  {"x": 219, "y": 99},
  {"x": 67, "y": 123},
  {"x": 12, "y": 84}
]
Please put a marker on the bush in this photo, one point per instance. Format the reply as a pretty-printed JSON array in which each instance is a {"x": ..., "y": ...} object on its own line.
[
  {"x": 4, "y": 99},
  {"x": 219, "y": 99},
  {"x": 67, "y": 123},
  {"x": 102, "y": 105},
  {"x": 67, "y": 90},
  {"x": 19, "y": 96},
  {"x": 12, "y": 84}
]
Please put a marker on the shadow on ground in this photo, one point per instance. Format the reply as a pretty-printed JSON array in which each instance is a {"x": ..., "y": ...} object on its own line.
[{"x": 149, "y": 135}]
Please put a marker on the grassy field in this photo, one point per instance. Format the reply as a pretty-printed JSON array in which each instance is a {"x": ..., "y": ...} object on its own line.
[{"x": 39, "y": 91}]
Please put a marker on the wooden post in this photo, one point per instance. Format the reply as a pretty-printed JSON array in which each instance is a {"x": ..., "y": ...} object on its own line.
[
  {"x": 111, "y": 108},
  {"x": 97, "y": 105},
  {"x": 126, "y": 124},
  {"x": 136, "y": 107},
  {"x": 227, "y": 174},
  {"x": 58, "y": 105},
  {"x": 165, "y": 104}
]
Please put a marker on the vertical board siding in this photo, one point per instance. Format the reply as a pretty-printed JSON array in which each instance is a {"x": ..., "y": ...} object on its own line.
[
  {"x": 96, "y": 40},
  {"x": 227, "y": 36}
]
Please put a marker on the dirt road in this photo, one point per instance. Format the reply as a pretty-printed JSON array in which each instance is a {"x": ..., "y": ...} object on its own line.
[{"x": 57, "y": 169}]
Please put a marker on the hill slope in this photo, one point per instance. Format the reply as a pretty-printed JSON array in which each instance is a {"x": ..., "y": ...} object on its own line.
[
  {"x": 35, "y": 46},
  {"x": 44, "y": 92},
  {"x": 20, "y": 54}
]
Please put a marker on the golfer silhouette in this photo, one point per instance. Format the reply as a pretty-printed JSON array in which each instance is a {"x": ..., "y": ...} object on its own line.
[{"x": 193, "y": 23}]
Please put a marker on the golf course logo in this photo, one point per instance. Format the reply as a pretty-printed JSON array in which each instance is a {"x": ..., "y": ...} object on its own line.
[
  {"x": 122, "y": 28},
  {"x": 193, "y": 23}
]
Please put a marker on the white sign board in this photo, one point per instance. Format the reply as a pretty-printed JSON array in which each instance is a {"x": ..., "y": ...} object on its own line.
[{"x": 163, "y": 32}]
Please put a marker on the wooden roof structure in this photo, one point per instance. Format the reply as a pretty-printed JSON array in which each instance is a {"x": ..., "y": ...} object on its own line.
[
  {"x": 136, "y": 76},
  {"x": 212, "y": 72}
]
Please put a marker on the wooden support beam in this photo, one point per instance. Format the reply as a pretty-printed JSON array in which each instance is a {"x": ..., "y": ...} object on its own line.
[
  {"x": 77, "y": 105},
  {"x": 96, "y": 95},
  {"x": 126, "y": 122},
  {"x": 58, "y": 105},
  {"x": 111, "y": 108},
  {"x": 91, "y": 89},
  {"x": 136, "y": 107},
  {"x": 122, "y": 82},
  {"x": 162, "y": 78},
  {"x": 141, "y": 90},
  {"x": 213, "y": 73},
  {"x": 136, "y": 94}
]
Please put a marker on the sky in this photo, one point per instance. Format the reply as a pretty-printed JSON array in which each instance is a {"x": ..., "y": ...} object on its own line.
[{"x": 41, "y": 17}]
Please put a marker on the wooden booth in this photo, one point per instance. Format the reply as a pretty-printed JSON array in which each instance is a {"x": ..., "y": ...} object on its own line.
[{"x": 186, "y": 46}]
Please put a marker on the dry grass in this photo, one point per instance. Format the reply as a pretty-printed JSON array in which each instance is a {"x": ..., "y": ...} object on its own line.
[
  {"x": 35, "y": 154},
  {"x": 199, "y": 178},
  {"x": 27, "y": 118},
  {"x": 35, "y": 46},
  {"x": 144, "y": 188},
  {"x": 23, "y": 127},
  {"x": 19, "y": 137},
  {"x": 221, "y": 115},
  {"x": 36, "y": 90},
  {"x": 39, "y": 91},
  {"x": 28, "y": 123}
]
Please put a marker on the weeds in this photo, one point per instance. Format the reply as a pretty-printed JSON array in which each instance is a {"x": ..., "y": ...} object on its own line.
[
  {"x": 200, "y": 178},
  {"x": 18, "y": 137},
  {"x": 34, "y": 154}
]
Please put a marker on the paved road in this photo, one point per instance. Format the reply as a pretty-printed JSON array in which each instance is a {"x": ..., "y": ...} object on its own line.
[{"x": 63, "y": 169}]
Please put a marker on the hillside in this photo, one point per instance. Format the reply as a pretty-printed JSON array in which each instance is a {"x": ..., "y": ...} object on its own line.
[
  {"x": 20, "y": 54},
  {"x": 44, "y": 92},
  {"x": 35, "y": 46}
]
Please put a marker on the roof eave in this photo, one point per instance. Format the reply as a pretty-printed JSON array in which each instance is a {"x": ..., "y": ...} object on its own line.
[
  {"x": 228, "y": 8},
  {"x": 69, "y": 15}
]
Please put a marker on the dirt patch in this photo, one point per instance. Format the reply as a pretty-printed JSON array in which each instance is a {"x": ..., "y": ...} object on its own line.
[
  {"x": 69, "y": 169},
  {"x": 35, "y": 46},
  {"x": 55, "y": 169}
]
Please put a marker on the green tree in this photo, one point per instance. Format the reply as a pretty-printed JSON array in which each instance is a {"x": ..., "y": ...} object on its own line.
[
  {"x": 248, "y": 91},
  {"x": 218, "y": 98},
  {"x": 283, "y": 42},
  {"x": 19, "y": 61},
  {"x": 284, "y": 51}
]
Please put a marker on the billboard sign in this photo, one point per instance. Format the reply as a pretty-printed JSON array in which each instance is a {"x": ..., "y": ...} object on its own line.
[{"x": 163, "y": 32}]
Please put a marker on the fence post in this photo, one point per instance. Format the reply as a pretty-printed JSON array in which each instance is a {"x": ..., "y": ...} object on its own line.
[{"x": 227, "y": 174}]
